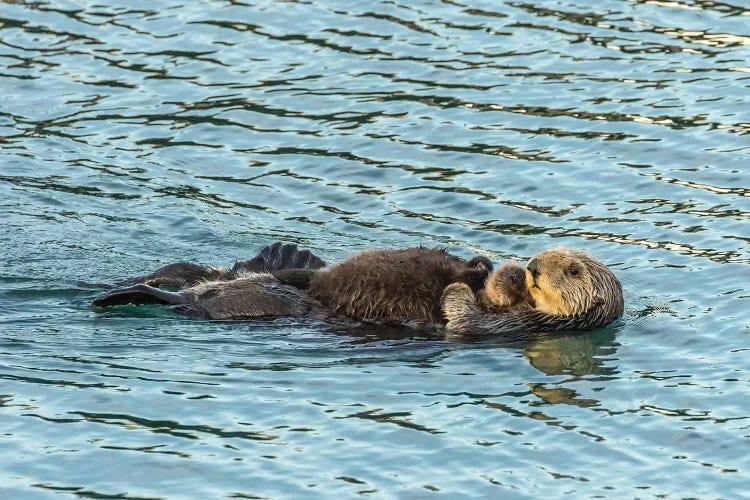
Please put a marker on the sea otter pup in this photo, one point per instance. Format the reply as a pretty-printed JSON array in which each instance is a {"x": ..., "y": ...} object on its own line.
[
  {"x": 376, "y": 286},
  {"x": 505, "y": 289},
  {"x": 571, "y": 291},
  {"x": 395, "y": 285}
]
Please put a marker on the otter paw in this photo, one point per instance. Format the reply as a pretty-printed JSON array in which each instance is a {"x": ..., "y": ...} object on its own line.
[
  {"x": 480, "y": 263},
  {"x": 477, "y": 270},
  {"x": 456, "y": 298}
]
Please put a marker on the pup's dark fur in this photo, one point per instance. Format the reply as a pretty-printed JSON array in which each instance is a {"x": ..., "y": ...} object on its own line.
[{"x": 397, "y": 285}]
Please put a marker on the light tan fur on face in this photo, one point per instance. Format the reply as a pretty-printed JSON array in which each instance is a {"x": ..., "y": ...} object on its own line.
[{"x": 569, "y": 282}]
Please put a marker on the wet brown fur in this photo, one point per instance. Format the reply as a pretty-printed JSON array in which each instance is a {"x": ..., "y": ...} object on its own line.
[
  {"x": 397, "y": 285},
  {"x": 251, "y": 296},
  {"x": 505, "y": 289}
]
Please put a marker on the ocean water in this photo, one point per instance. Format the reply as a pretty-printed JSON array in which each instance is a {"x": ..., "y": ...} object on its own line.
[{"x": 135, "y": 134}]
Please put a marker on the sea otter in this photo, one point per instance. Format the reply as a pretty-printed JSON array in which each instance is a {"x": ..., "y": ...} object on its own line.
[
  {"x": 374, "y": 286},
  {"x": 571, "y": 291},
  {"x": 505, "y": 289},
  {"x": 395, "y": 285}
]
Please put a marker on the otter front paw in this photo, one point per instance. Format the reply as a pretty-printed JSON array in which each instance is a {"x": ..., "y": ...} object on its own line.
[
  {"x": 477, "y": 270},
  {"x": 456, "y": 298}
]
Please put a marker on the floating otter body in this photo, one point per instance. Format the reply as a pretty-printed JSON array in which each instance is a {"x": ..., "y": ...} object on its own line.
[
  {"x": 375, "y": 286},
  {"x": 558, "y": 290},
  {"x": 570, "y": 290}
]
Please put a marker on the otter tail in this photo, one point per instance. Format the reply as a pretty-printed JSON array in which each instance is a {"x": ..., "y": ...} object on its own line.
[
  {"x": 137, "y": 295},
  {"x": 276, "y": 257}
]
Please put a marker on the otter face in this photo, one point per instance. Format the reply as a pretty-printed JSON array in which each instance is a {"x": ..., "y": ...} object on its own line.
[
  {"x": 506, "y": 287},
  {"x": 566, "y": 282}
]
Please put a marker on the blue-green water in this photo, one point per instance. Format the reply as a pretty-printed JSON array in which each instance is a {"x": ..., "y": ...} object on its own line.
[{"x": 135, "y": 134}]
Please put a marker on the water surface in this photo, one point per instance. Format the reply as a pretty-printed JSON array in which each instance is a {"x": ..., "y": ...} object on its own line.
[{"x": 138, "y": 134}]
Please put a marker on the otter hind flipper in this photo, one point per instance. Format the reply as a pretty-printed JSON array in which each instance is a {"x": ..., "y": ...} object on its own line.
[
  {"x": 137, "y": 295},
  {"x": 278, "y": 256},
  {"x": 307, "y": 260}
]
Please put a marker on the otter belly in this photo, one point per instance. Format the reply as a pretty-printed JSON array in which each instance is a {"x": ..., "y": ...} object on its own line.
[{"x": 253, "y": 296}]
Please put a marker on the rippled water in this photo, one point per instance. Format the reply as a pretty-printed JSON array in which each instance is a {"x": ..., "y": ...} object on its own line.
[{"x": 135, "y": 134}]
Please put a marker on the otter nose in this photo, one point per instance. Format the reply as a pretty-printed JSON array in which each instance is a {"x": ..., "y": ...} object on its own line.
[{"x": 533, "y": 267}]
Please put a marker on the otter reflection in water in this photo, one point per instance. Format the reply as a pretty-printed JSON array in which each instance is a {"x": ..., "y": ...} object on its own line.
[{"x": 392, "y": 286}]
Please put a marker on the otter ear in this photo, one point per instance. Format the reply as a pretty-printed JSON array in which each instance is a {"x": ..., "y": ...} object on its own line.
[{"x": 598, "y": 300}]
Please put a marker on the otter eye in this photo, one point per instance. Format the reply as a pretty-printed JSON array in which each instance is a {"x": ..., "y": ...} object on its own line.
[{"x": 573, "y": 271}]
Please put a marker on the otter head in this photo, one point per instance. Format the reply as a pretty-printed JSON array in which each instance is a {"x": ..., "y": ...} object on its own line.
[
  {"x": 565, "y": 282},
  {"x": 506, "y": 287}
]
